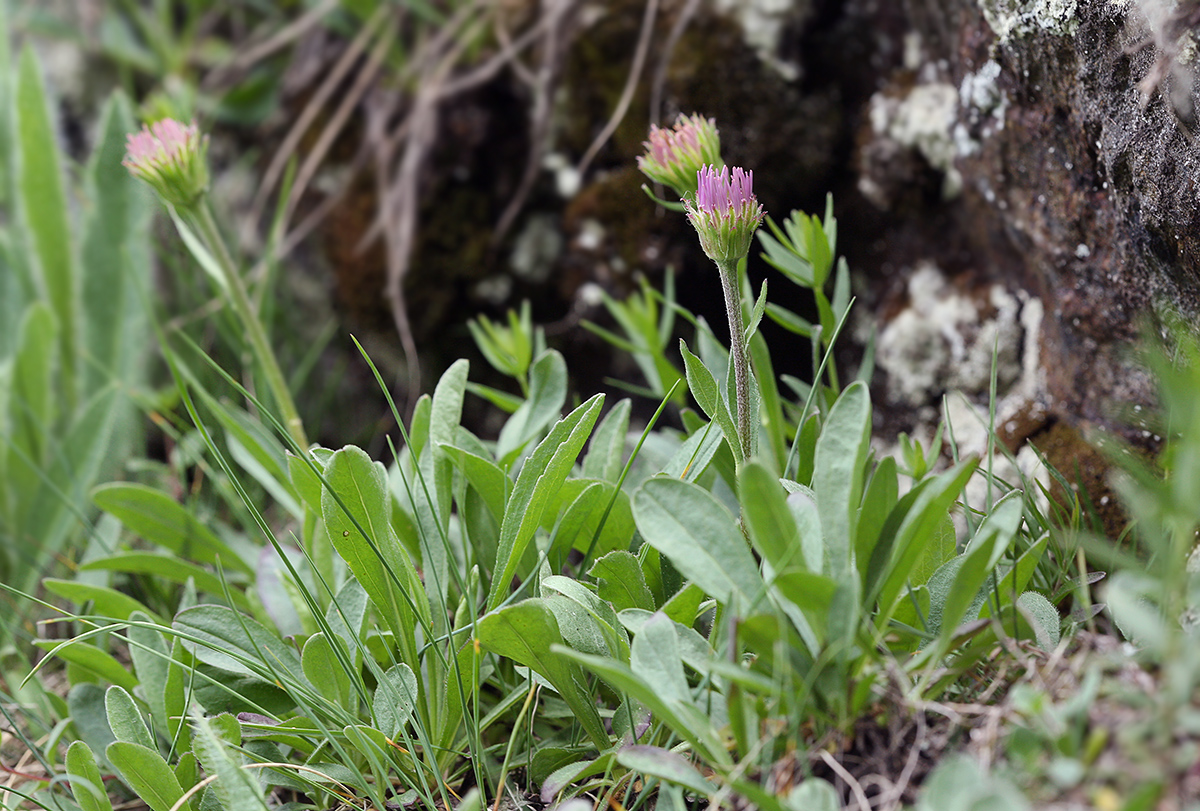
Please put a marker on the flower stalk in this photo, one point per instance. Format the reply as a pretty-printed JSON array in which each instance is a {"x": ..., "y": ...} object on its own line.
[
  {"x": 725, "y": 214},
  {"x": 741, "y": 359},
  {"x": 171, "y": 158},
  {"x": 200, "y": 217}
]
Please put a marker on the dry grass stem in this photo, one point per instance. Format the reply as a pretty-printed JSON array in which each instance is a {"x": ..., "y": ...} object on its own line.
[
  {"x": 554, "y": 48},
  {"x": 664, "y": 62},
  {"x": 233, "y": 70},
  {"x": 310, "y": 112},
  {"x": 635, "y": 72},
  {"x": 856, "y": 788}
]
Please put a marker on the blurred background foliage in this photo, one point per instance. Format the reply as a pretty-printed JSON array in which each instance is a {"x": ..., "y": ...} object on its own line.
[
  {"x": 418, "y": 162},
  {"x": 388, "y": 169}
]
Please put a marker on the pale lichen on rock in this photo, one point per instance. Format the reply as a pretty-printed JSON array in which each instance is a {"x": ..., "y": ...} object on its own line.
[
  {"x": 924, "y": 120},
  {"x": 764, "y": 23},
  {"x": 1014, "y": 19}
]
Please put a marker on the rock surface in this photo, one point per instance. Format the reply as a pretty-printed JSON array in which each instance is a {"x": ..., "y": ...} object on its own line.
[
  {"x": 1031, "y": 151},
  {"x": 1063, "y": 173}
]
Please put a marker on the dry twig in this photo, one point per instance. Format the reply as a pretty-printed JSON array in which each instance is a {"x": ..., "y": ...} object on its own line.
[{"x": 635, "y": 72}]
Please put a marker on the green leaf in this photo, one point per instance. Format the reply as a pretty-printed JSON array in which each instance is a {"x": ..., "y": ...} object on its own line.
[
  {"x": 581, "y": 521},
  {"x": 90, "y": 658},
  {"x": 151, "y": 657},
  {"x": 696, "y": 453},
  {"x": 960, "y": 784},
  {"x": 304, "y": 479},
  {"x": 176, "y": 695},
  {"x": 688, "y": 525},
  {"x": 77, "y": 457},
  {"x": 446, "y": 409},
  {"x": 124, "y": 718},
  {"x": 547, "y": 393},
  {"x": 32, "y": 403},
  {"x": 145, "y": 771},
  {"x": 939, "y": 547},
  {"x": 770, "y": 523},
  {"x": 597, "y": 608},
  {"x": 445, "y": 415},
  {"x": 85, "y": 702},
  {"x": 115, "y": 258},
  {"x": 168, "y": 568},
  {"x": 1018, "y": 576},
  {"x": 1129, "y": 602},
  {"x": 579, "y": 628},
  {"x": 813, "y": 594},
  {"x": 1043, "y": 617},
  {"x": 654, "y": 657},
  {"x": 787, "y": 261},
  {"x": 708, "y": 396},
  {"x": 692, "y": 727},
  {"x": 508, "y": 403},
  {"x": 606, "y": 451},
  {"x": 213, "y": 740},
  {"x": 222, "y": 638},
  {"x": 684, "y": 605},
  {"x": 665, "y": 765},
  {"x": 418, "y": 429},
  {"x": 486, "y": 477},
  {"x": 881, "y": 496},
  {"x": 84, "y": 775},
  {"x": 394, "y": 701},
  {"x": 775, "y": 424},
  {"x": 44, "y": 206},
  {"x": 187, "y": 768},
  {"x": 912, "y": 522},
  {"x": 160, "y": 519},
  {"x": 525, "y": 632},
  {"x": 260, "y": 454},
  {"x": 621, "y": 581},
  {"x": 541, "y": 476},
  {"x": 756, "y": 314},
  {"x": 982, "y": 555},
  {"x": 558, "y": 779},
  {"x": 814, "y": 794},
  {"x": 804, "y": 511},
  {"x": 106, "y": 602},
  {"x": 790, "y": 321},
  {"x": 838, "y": 477},
  {"x": 359, "y": 529},
  {"x": 326, "y": 672}
]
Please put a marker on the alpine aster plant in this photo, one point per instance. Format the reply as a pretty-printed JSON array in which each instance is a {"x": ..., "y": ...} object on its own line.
[
  {"x": 725, "y": 214},
  {"x": 170, "y": 157},
  {"x": 673, "y": 156}
]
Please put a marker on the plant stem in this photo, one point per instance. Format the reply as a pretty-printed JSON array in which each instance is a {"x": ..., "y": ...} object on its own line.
[
  {"x": 741, "y": 362},
  {"x": 206, "y": 227}
]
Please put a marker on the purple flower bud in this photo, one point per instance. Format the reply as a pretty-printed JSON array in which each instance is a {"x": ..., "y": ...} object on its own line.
[
  {"x": 674, "y": 156},
  {"x": 172, "y": 159},
  {"x": 725, "y": 213}
]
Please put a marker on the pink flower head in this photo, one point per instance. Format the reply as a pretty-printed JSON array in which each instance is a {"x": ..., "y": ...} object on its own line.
[
  {"x": 673, "y": 156},
  {"x": 725, "y": 212},
  {"x": 172, "y": 159}
]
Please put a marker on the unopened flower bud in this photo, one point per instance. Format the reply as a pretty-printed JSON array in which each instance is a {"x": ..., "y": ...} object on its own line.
[
  {"x": 673, "y": 156},
  {"x": 725, "y": 213},
  {"x": 172, "y": 158}
]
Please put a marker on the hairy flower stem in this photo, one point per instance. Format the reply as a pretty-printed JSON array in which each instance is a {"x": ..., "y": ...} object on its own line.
[
  {"x": 741, "y": 362},
  {"x": 201, "y": 218}
]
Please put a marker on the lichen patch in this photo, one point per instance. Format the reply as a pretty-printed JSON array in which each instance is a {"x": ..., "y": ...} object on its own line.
[{"x": 1015, "y": 19}]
